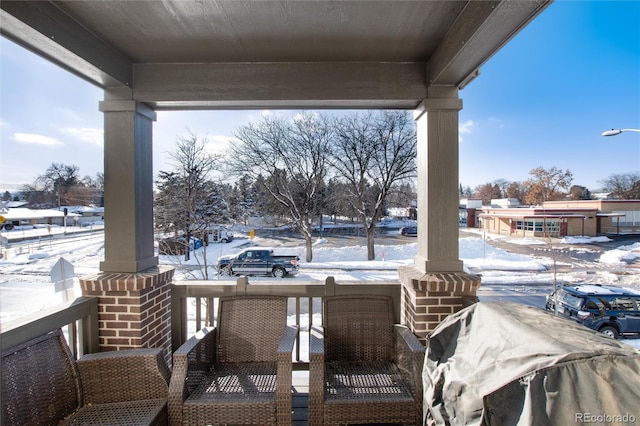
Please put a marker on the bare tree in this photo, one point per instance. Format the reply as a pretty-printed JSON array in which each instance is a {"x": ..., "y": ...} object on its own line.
[
  {"x": 371, "y": 153},
  {"x": 487, "y": 192},
  {"x": 402, "y": 195},
  {"x": 547, "y": 185},
  {"x": 57, "y": 180},
  {"x": 465, "y": 191},
  {"x": 93, "y": 189},
  {"x": 34, "y": 195},
  {"x": 625, "y": 186},
  {"x": 290, "y": 155}
]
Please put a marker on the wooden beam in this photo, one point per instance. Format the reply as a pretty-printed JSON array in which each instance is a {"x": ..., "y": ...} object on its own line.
[
  {"x": 480, "y": 31},
  {"x": 282, "y": 85},
  {"x": 44, "y": 29}
]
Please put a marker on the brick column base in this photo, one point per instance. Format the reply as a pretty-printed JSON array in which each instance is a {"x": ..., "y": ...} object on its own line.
[
  {"x": 428, "y": 298},
  {"x": 134, "y": 309}
]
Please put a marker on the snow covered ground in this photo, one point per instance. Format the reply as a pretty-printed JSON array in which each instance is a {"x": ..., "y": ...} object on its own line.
[{"x": 25, "y": 284}]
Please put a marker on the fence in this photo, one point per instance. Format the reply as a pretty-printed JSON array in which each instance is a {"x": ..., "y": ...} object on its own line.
[
  {"x": 194, "y": 303},
  {"x": 78, "y": 319}
]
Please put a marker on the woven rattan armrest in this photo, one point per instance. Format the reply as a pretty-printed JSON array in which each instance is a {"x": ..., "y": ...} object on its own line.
[
  {"x": 316, "y": 374},
  {"x": 316, "y": 343},
  {"x": 283, "y": 383},
  {"x": 285, "y": 350},
  {"x": 316, "y": 347},
  {"x": 288, "y": 340},
  {"x": 121, "y": 376},
  {"x": 410, "y": 358},
  {"x": 191, "y": 362}
]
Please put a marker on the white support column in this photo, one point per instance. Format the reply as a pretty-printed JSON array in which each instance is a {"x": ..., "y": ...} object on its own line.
[
  {"x": 128, "y": 183},
  {"x": 436, "y": 285},
  {"x": 438, "y": 200}
]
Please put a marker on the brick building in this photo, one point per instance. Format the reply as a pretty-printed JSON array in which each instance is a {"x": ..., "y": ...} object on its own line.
[{"x": 564, "y": 218}]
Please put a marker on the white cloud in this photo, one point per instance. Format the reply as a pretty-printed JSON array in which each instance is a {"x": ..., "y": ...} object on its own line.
[
  {"x": 217, "y": 144},
  {"x": 258, "y": 116},
  {"x": 303, "y": 115},
  {"x": 36, "y": 139},
  {"x": 466, "y": 127},
  {"x": 86, "y": 134}
]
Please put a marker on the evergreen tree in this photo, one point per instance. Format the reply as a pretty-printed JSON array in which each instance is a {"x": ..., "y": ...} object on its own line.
[{"x": 187, "y": 201}]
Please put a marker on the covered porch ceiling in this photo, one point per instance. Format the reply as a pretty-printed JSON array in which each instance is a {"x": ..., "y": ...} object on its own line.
[{"x": 225, "y": 54}]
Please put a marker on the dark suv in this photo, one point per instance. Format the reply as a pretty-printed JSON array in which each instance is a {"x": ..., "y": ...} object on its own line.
[{"x": 614, "y": 311}]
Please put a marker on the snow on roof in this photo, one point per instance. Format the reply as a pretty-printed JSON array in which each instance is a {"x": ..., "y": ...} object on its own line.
[
  {"x": 23, "y": 213},
  {"x": 12, "y": 204},
  {"x": 85, "y": 209}
]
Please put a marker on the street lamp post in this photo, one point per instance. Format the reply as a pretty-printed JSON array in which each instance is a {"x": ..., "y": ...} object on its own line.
[{"x": 614, "y": 132}]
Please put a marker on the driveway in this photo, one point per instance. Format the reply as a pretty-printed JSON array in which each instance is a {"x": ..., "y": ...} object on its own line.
[{"x": 565, "y": 254}]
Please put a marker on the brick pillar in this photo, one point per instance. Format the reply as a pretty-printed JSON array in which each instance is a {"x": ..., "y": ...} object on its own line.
[
  {"x": 134, "y": 309},
  {"x": 428, "y": 298}
]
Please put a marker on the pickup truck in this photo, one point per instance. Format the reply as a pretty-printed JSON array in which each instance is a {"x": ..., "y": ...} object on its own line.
[{"x": 258, "y": 261}]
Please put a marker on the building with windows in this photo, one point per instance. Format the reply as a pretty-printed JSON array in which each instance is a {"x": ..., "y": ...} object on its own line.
[
  {"x": 613, "y": 216},
  {"x": 563, "y": 218}
]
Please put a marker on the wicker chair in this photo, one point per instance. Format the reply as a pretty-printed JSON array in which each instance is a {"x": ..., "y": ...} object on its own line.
[
  {"x": 239, "y": 372},
  {"x": 363, "y": 368},
  {"x": 42, "y": 384}
]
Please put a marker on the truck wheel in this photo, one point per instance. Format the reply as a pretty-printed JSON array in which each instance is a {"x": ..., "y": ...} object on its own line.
[
  {"x": 609, "y": 332},
  {"x": 225, "y": 272},
  {"x": 224, "y": 241},
  {"x": 278, "y": 272}
]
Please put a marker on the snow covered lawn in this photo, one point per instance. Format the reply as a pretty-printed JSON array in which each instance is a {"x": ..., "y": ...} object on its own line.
[{"x": 25, "y": 286}]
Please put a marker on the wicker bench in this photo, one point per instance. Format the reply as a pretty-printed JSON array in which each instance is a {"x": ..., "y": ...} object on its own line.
[{"x": 43, "y": 384}]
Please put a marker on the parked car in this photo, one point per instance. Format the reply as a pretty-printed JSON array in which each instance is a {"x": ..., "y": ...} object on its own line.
[
  {"x": 410, "y": 231},
  {"x": 258, "y": 261},
  {"x": 219, "y": 235},
  {"x": 614, "y": 311}
]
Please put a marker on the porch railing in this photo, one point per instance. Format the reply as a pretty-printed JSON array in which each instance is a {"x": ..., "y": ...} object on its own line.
[
  {"x": 194, "y": 306},
  {"x": 78, "y": 320},
  {"x": 194, "y": 303}
]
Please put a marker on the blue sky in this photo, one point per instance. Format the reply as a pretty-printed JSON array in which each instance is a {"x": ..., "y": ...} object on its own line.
[{"x": 542, "y": 101}]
